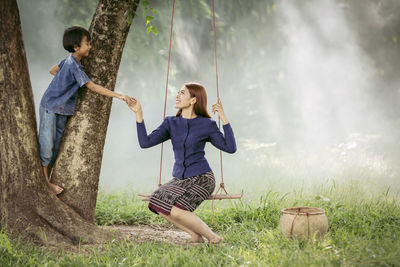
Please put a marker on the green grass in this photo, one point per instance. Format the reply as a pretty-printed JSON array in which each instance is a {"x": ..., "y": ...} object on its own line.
[{"x": 364, "y": 229}]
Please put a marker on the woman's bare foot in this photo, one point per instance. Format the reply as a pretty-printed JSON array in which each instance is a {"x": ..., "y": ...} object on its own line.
[
  {"x": 196, "y": 239},
  {"x": 215, "y": 240},
  {"x": 55, "y": 189}
]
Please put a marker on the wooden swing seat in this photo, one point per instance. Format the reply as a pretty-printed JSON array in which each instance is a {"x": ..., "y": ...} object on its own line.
[{"x": 212, "y": 197}]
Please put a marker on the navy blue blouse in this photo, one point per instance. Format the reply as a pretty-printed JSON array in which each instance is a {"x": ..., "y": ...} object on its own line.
[{"x": 188, "y": 137}]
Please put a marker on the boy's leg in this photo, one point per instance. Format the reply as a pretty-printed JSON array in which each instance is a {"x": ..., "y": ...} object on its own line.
[
  {"x": 61, "y": 121},
  {"x": 49, "y": 169},
  {"x": 47, "y": 134},
  {"x": 53, "y": 187}
]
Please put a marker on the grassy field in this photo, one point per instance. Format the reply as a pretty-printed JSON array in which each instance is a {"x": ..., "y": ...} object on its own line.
[{"x": 364, "y": 230}]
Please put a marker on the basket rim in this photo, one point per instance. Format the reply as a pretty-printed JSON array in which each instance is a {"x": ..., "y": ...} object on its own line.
[{"x": 297, "y": 211}]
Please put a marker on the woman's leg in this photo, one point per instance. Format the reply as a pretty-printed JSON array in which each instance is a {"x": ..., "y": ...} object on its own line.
[
  {"x": 194, "y": 224},
  {"x": 195, "y": 237}
]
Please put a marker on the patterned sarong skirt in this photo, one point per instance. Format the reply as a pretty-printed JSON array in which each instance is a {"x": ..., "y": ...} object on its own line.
[{"x": 185, "y": 194}]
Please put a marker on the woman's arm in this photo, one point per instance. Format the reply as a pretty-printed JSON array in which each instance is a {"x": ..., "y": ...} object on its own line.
[
  {"x": 158, "y": 136},
  {"x": 217, "y": 107},
  {"x": 135, "y": 106},
  {"x": 226, "y": 143}
]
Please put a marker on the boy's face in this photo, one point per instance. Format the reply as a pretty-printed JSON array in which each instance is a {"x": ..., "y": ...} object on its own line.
[{"x": 84, "y": 48}]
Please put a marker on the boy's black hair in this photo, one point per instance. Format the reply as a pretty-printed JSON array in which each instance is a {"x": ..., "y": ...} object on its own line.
[{"x": 73, "y": 36}]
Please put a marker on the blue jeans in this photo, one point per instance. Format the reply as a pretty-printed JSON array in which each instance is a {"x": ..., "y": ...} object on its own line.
[{"x": 51, "y": 129}]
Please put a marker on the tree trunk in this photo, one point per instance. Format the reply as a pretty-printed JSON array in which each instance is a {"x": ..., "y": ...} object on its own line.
[
  {"x": 78, "y": 164},
  {"x": 26, "y": 204}
]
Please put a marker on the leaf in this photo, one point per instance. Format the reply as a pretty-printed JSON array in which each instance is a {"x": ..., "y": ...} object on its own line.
[
  {"x": 145, "y": 3},
  {"x": 145, "y": 12},
  {"x": 149, "y": 29},
  {"x": 154, "y": 30},
  {"x": 148, "y": 19},
  {"x": 129, "y": 17},
  {"x": 154, "y": 11}
]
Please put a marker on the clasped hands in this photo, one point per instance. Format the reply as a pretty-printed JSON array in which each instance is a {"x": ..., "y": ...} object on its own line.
[
  {"x": 132, "y": 102},
  {"x": 135, "y": 106}
]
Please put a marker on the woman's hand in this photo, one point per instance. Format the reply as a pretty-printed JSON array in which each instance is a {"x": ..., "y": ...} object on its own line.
[
  {"x": 135, "y": 106},
  {"x": 217, "y": 107}
]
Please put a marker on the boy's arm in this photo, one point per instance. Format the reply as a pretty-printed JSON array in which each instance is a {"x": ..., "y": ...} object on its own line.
[
  {"x": 103, "y": 91},
  {"x": 54, "y": 70}
]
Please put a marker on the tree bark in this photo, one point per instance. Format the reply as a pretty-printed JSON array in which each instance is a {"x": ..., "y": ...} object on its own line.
[
  {"x": 78, "y": 164},
  {"x": 26, "y": 204}
]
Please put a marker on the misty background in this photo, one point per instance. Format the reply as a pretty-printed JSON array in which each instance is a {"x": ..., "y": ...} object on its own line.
[{"x": 311, "y": 88}]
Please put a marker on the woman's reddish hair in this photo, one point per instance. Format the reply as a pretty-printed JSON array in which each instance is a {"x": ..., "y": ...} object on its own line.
[{"x": 200, "y": 107}]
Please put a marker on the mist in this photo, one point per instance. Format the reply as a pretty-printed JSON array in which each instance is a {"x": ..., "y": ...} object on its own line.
[{"x": 311, "y": 89}]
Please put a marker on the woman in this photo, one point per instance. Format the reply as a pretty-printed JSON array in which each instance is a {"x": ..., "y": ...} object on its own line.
[{"x": 193, "y": 180}]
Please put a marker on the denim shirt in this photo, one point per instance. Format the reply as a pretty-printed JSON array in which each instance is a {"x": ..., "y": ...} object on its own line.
[
  {"x": 60, "y": 96},
  {"x": 188, "y": 137}
]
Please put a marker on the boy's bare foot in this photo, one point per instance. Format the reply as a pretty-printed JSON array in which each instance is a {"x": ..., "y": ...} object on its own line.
[
  {"x": 55, "y": 189},
  {"x": 215, "y": 240}
]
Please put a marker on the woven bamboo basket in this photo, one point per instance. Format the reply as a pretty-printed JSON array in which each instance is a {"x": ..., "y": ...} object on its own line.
[{"x": 304, "y": 223}]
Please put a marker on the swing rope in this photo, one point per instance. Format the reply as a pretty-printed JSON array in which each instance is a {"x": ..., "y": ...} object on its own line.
[
  {"x": 221, "y": 193},
  {"x": 216, "y": 78},
  {"x": 221, "y": 186},
  {"x": 166, "y": 85}
]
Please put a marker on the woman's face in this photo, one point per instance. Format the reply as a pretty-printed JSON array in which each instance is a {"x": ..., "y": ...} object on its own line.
[{"x": 183, "y": 99}]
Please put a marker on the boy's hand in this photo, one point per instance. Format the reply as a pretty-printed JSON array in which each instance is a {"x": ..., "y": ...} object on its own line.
[
  {"x": 53, "y": 70},
  {"x": 123, "y": 98}
]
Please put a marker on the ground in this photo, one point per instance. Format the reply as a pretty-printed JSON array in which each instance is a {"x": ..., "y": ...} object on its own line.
[{"x": 146, "y": 233}]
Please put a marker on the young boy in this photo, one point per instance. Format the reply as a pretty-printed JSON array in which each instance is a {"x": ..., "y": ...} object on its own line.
[{"x": 58, "y": 102}]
